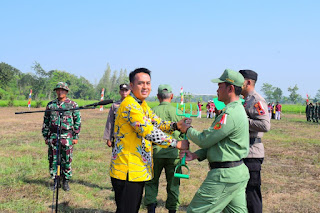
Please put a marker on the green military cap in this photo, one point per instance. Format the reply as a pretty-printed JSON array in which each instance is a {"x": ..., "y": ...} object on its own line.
[
  {"x": 164, "y": 89},
  {"x": 230, "y": 76},
  {"x": 61, "y": 85}
]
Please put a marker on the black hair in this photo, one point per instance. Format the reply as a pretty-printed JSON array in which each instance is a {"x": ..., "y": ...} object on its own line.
[
  {"x": 237, "y": 90},
  {"x": 136, "y": 71}
]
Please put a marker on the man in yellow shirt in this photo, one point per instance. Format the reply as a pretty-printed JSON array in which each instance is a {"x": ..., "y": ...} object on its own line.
[{"x": 136, "y": 128}]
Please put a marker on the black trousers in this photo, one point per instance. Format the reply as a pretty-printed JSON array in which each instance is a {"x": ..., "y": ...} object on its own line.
[
  {"x": 253, "y": 190},
  {"x": 128, "y": 195}
]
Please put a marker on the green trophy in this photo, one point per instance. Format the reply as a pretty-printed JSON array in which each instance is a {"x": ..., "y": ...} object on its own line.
[{"x": 183, "y": 160}]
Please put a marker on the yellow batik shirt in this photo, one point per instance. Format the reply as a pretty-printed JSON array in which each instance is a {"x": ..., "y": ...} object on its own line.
[{"x": 136, "y": 128}]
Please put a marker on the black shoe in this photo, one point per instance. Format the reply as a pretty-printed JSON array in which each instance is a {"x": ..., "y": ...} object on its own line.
[
  {"x": 65, "y": 185},
  {"x": 152, "y": 208},
  {"x": 172, "y": 211}
]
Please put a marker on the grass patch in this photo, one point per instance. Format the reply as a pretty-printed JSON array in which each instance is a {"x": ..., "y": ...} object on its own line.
[{"x": 290, "y": 174}]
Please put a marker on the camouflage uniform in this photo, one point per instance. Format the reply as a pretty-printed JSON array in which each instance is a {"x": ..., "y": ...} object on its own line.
[
  {"x": 312, "y": 113},
  {"x": 70, "y": 125},
  {"x": 316, "y": 113}
]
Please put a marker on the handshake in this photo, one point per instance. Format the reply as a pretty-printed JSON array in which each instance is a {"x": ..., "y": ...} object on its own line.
[{"x": 183, "y": 127}]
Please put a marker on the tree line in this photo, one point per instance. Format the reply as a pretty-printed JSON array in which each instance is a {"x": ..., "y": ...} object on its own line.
[
  {"x": 275, "y": 94},
  {"x": 15, "y": 84}
]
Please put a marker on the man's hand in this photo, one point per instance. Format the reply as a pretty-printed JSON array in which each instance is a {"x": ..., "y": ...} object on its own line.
[
  {"x": 189, "y": 155},
  {"x": 74, "y": 141},
  {"x": 109, "y": 143},
  {"x": 46, "y": 141},
  {"x": 184, "y": 124},
  {"x": 183, "y": 145}
]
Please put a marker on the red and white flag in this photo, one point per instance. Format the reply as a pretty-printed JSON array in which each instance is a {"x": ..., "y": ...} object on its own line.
[
  {"x": 29, "y": 102},
  {"x": 102, "y": 97}
]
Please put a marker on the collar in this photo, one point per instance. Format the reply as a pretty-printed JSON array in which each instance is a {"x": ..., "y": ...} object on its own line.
[
  {"x": 60, "y": 102},
  {"x": 135, "y": 98},
  {"x": 233, "y": 103},
  {"x": 165, "y": 103}
]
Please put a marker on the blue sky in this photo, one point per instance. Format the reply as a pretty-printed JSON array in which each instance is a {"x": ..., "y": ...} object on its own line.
[{"x": 184, "y": 43}]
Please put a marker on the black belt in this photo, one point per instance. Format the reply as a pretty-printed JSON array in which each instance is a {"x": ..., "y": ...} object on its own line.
[
  {"x": 254, "y": 140},
  {"x": 227, "y": 164}
]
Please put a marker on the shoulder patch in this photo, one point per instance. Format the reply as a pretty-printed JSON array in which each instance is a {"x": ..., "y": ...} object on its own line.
[
  {"x": 222, "y": 121},
  {"x": 259, "y": 108}
]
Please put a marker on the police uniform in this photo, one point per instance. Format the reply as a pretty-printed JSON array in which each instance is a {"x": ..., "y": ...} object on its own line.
[
  {"x": 109, "y": 128},
  {"x": 224, "y": 144},
  {"x": 259, "y": 122}
]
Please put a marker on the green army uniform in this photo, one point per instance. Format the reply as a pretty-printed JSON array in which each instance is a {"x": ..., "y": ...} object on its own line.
[
  {"x": 70, "y": 125},
  {"x": 224, "y": 144},
  {"x": 165, "y": 158}
]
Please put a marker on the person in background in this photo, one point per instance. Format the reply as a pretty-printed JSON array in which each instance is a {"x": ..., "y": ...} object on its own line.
[
  {"x": 212, "y": 107},
  {"x": 308, "y": 110},
  {"x": 269, "y": 110},
  {"x": 124, "y": 91},
  {"x": 199, "y": 106},
  {"x": 278, "y": 111},
  {"x": 208, "y": 109},
  {"x": 70, "y": 130},
  {"x": 259, "y": 122},
  {"x": 166, "y": 159}
]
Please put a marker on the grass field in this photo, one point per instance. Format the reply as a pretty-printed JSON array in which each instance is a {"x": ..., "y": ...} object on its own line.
[
  {"x": 286, "y": 108},
  {"x": 290, "y": 175}
]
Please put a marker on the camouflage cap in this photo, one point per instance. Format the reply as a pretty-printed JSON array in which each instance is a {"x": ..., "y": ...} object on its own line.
[
  {"x": 231, "y": 77},
  {"x": 61, "y": 85},
  {"x": 164, "y": 88}
]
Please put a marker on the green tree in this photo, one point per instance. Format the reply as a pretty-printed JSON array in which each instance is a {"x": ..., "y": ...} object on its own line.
[
  {"x": 277, "y": 94},
  {"x": 8, "y": 74},
  {"x": 268, "y": 90},
  {"x": 318, "y": 95},
  {"x": 40, "y": 86},
  {"x": 104, "y": 82},
  {"x": 188, "y": 96},
  {"x": 294, "y": 96}
]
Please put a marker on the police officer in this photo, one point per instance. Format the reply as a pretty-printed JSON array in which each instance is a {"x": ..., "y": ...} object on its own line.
[
  {"x": 259, "y": 122},
  {"x": 224, "y": 144},
  {"x": 166, "y": 159},
  {"x": 70, "y": 125},
  {"x": 124, "y": 91}
]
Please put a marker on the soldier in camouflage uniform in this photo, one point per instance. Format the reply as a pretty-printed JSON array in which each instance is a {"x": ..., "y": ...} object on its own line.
[
  {"x": 316, "y": 112},
  {"x": 70, "y": 126},
  {"x": 312, "y": 112}
]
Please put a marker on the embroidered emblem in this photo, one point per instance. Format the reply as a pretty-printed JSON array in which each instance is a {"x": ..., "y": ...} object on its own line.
[
  {"x": 217, "y": 126},
  {"x": 259, "y": 108}
]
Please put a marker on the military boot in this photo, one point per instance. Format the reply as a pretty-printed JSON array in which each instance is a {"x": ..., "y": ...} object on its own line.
[
  {"x": 65, "y": 185},
  {"x": 152, "y": 208},
  {"x": 172, "y": 211}
]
